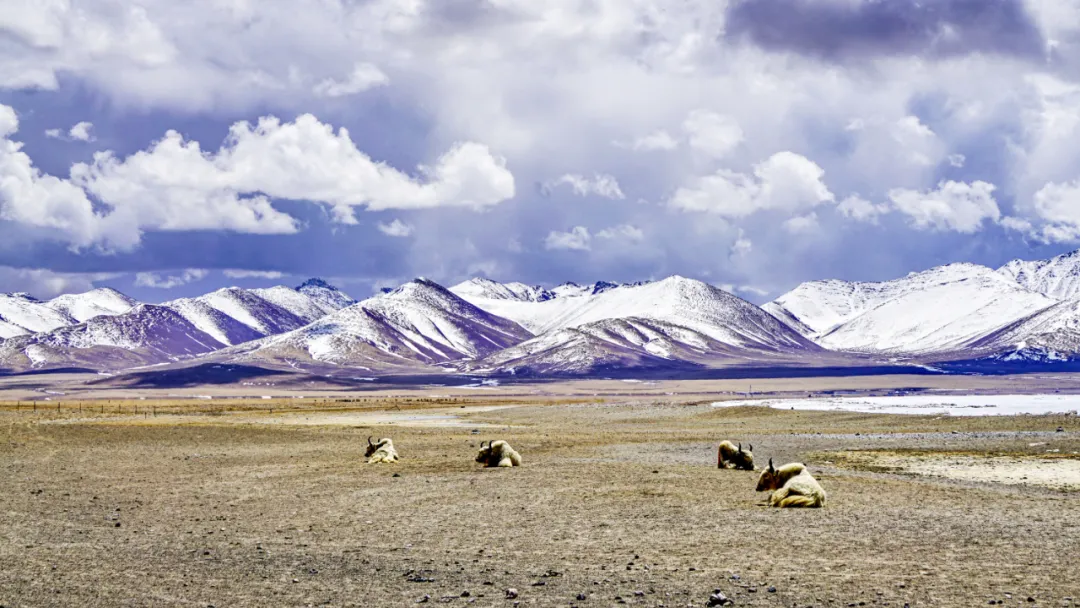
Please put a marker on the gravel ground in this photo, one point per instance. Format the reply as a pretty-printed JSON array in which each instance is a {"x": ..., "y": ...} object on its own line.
[{"x": 616, "y": 504}]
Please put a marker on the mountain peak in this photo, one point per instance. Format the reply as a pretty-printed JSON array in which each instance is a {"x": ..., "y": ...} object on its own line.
[{"x": 315, "y": 282}]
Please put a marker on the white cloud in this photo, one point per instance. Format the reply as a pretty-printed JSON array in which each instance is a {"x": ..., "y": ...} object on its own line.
[
  {"x": 957, "y": 160},
  {"x": 176, "y": 185},
  {"x": 657, "y": 140},
  {"x": 622, "y": 231},
  {"x": 957, "y": 206},
  {"x": 786, "y": 181},
  {"x": 44, "y": 283},
  {"x": 577, "y": 238},
  {"x": 711, "y": 133},
  {"x": 363, "y": 77},
  {"x": 1054, "y": 214},
  {"x": 860, "y": 209},
  {"x": 240, "y": 273},
  {"x": 168, "y": 281},
  {"x": 742, "y": 245},
  {"x": 802, "y": 224},
  {"x": 79, "y": 132},
  {"x": 599, "y": 184},
  {"x": 396, "y": 228}
]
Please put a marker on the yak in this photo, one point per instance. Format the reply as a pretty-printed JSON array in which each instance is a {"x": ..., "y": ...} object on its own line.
[
  {"x": 730, "y": 456},
  {"x": 381, "y": 451},
  {"x": 498, "y": 454},
  {"x": 792, "y": 486}
]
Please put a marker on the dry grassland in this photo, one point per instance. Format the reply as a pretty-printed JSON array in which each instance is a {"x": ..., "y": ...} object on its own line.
[{"x": 228, "y": 504}]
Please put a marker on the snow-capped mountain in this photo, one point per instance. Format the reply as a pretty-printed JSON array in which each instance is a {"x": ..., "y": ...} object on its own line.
[
  {"x": 939, "y": 310},
  {"x": 486, "y": 289},
  {"x": 1057, "y": 277},
  {"x": 144, "y": 335},
  {"x": 821, "y": 306},
  {"x": 1052, "y": 334},
  {"x": 22, "y": 314},
  {"x": 220, "y": 326},
  {"x": 534, "y": 308},
  {"x": 420, "y": 323},
  {"x": 263, "y": 317},
  {"x": 624, "y": 343},
  {"x": 676, "y": 300},
  {"x": 82, "y": 307},
  {"x": 330, "y": 298},
  {"x": 299, "y": 304}
]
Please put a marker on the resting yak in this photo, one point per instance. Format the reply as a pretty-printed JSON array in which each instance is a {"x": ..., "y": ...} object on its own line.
[
  {"x": 730, "y": 456},
  {"x": 792, "y": 486},
  {"x": 498, "y": 454},
  {"x": 381, "y": 451}
]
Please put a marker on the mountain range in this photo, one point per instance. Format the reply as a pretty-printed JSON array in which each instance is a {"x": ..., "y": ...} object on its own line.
[{"x": 1024, "y": 313}]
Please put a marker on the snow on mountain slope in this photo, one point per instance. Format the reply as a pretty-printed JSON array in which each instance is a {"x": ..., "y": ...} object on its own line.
[
  {"x": 243, "y": 306},
  {"x": 821, "y": 306},
  {"x": 85, "y": 306},
  {"x": 1052, "y": 334},
  {"x": 534, "y": 308},
  {"x": 327, "y": 296},
  {"x": 296, "y": 302},
  {"x": 623, "y": 343},
  {"x": 675, "y": 300},
  {"x": 481, "y": 288},
  {"x": 1057, "y": 277},
  {"x": 786, "y": 317},
  {"x": 24, "y": 311},
  {"x": 144, "y": 335},
  {"x": 220, "y": 326},
  {"x": 694, "y": 305},
  {"x": 941, "y": 309},
  {"x": 419, "y": 323}
]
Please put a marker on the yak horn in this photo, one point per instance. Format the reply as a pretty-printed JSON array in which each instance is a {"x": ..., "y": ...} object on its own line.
[
  {"x": 770, "y": 465},
  {"x": 369, "y": 440},
  {"x": 751, "y": 447},
  {"x": 740, "y": 447}
]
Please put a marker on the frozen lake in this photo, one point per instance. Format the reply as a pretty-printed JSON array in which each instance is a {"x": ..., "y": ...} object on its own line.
[{"x": 953, "y": 405}]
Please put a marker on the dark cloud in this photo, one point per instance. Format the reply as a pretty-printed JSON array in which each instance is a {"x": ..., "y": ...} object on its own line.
[{"x": 850, "y": 30}]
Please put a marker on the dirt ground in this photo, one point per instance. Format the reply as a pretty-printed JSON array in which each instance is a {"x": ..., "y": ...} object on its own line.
[{"x": 618, "y": 501}]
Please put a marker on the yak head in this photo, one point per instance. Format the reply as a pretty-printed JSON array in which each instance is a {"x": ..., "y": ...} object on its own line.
[
  {"x": 744, "y": 459},
  {"x": 374, "y": 447},
  {"x": 769, "y": 479},
  {"x": 485, "y": 453}
]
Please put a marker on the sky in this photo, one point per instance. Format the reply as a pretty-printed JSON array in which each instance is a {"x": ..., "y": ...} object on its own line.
[{"x": 168, "y": 149}]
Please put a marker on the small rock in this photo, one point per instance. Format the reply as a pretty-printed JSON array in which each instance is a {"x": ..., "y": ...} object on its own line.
[
  {"x": 1031, "y": 599},
  {"x": 465, "y": 593},
  {"x": 771, "y": 589},
  {"x": 539, "y": 583},
  {"x": 719, "y": 599},
  {"x": 296, "y": 580},
  {"x": 424, "y": 599},
  {"x": 581, "y": 597},
  {"x": 1061, "y": 429},
  {"x": 511, "y": 593},
  {"x": 396, "y": 475},
  {"x": 639, "y": 594}
]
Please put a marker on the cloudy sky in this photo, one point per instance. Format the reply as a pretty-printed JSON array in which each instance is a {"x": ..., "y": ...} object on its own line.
[{"x": 169, "y": 148}]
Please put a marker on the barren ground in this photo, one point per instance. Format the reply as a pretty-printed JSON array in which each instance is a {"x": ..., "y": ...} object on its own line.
[{"x": 619, "y": 500}]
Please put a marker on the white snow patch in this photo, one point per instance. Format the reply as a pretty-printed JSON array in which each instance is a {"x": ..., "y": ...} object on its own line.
[{"x": 952, "y": 405}]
